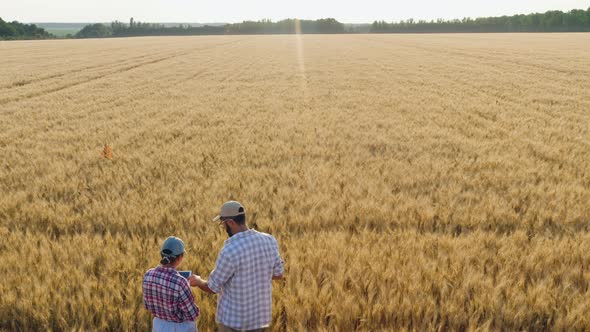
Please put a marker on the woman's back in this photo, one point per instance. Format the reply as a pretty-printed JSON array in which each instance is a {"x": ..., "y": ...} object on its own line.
[{"x": 168, "y": 295}]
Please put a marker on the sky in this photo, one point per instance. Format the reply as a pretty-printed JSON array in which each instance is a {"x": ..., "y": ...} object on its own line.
[{"x": 230, "y": 11}]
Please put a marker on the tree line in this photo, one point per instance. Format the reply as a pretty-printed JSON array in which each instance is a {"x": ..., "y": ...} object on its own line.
[
  {"x": 288, "y": 26},
  {"x": 16, "y": 30},
  {"x": 576, "y": 20}
]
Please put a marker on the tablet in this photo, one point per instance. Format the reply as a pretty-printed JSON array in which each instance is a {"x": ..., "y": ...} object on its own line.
[{"x": 185, "y": 274}]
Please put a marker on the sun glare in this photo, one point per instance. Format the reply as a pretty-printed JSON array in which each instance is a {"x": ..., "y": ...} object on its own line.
[{"x": 300, "y": 56}]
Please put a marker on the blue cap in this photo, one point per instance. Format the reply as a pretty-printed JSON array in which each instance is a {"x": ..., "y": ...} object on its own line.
[{"x": 173, "y": 246}]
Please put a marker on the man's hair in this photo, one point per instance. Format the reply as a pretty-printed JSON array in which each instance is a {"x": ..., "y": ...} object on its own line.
[{"x": 240, "y": 220}]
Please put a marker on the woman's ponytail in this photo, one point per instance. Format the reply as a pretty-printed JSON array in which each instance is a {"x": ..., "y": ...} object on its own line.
[{"x": 167, "y": 257}]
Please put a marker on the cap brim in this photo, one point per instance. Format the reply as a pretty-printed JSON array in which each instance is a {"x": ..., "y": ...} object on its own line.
[{"x": 217, "y": 218}]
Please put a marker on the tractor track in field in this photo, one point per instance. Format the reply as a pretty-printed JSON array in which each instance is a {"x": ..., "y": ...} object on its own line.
[
  {"x": 491, "y": 60},
  {"x": 5, "y": 101},
  {"x": 491, "y": 91},
  {"x": 106, "y": 104},
  {"x": 104, "y": 75},
  {"x": 42, "y": 79}
]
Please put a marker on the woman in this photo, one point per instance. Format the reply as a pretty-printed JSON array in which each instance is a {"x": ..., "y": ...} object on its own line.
[{"x": 167, "y": 294}]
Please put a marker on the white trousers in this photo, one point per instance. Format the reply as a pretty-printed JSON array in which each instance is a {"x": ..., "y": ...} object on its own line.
[{"x": 161, "y": 325}]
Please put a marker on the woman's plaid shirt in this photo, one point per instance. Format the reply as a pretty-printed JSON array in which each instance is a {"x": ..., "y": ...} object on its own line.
[{"x": 168, "y": 295}]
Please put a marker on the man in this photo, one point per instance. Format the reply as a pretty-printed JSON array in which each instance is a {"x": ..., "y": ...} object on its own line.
[
  {"x": 167, "y": 295},
  {"x": 243, "y": 274}
]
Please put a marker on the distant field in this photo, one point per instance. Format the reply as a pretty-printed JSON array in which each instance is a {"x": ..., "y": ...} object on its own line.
[
  {"x": 414, "y": 182},
  {"x": 62, "y": 29},
  {"x": 62, "y": 32}
]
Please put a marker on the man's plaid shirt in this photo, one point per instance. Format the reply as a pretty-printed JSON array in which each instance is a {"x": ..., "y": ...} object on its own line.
[
  {"x": 243, "y": 279},
  {"x": 168, "y": 295}
]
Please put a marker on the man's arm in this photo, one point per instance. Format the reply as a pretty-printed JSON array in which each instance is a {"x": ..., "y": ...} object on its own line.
[
  {"x": 224, "y": 270},
  {"x": 197, "y": 281},
  {"x": 279, "y": 264}
]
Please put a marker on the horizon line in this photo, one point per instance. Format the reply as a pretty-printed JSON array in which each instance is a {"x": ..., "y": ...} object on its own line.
[{"x": 301, "y": 19}]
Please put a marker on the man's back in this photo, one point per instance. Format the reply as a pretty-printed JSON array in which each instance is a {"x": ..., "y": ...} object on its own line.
[{"x": 243, "y": 279}]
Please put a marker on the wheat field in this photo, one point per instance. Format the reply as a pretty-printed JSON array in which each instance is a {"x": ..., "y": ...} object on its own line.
[{"x": 413, "y": 182}]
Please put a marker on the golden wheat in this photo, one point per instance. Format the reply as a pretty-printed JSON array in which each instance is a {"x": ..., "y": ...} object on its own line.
[{"x": 414, "y": 182}]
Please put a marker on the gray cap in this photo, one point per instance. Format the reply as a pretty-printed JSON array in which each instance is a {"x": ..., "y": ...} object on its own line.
[
  {"x": 230, "y": 209},
  {"x": 172, "y": 246}
]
